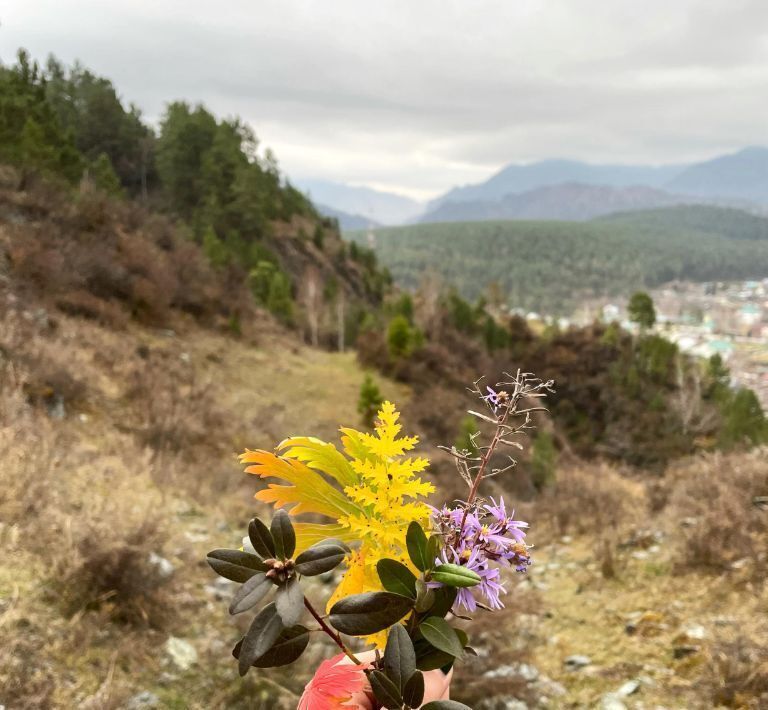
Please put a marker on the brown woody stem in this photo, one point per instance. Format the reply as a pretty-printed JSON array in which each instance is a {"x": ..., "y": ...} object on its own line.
[{"x": 328, "y": 630}]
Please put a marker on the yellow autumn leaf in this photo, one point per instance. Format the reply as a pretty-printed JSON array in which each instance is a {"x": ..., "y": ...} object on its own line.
[{"x": 371, "y": 494}]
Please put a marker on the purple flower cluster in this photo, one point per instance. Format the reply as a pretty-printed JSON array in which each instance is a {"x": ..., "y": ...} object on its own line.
[{"x": 486, "y": 538}]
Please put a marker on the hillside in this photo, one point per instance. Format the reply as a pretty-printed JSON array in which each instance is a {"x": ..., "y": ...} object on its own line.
[
  {"x": 553, "y": 266},
  {"x": 110, "y": 500},
  {"x": 216, "y": 214}
]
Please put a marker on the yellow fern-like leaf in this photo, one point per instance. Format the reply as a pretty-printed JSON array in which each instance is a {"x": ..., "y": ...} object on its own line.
[
  {"x": 377, "y": 497},
  {"x": 310, "y": 492}
]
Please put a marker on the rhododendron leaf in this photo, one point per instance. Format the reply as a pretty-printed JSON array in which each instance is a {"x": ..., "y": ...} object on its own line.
[
  {"x": 386, "y": 692},
  {"x": 413, "y": 693},
  {"x": 425, "y": 597},
  {"x": 261, "y": 539},
  {"x": 396, "y": 577},
  {"x": 428, "y": 658},
  {"x": 320, "y": 455},
  {"x": 260, "y": 637},
  {"x": 444, "y": 599},
  {"x": 283, "y": 535},
  {"x": 434, "y": 544},
  {"x": 445, "y": 705},
  {"x": 334, "y": 541},
  {"x": 289, "y": 601},
  {"x": 455, "y": 576},
  {"x": 367, "y": 613},
  {"x": 288, "y": 647},
  {"x": 320, "y": 558},
  {"x": 251, "y": 593},
  {"x": 236, "y": 565},
  {"x": 442, "y": 636},
  {"x": 399, "y": 656},
  {"x": 416, "y": 541}
]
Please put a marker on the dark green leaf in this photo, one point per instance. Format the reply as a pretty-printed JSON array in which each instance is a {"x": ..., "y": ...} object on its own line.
[
  {"x": 441, "y": 635},
  {"x": 261, "y": 636},
  {"x": 413, "y": 693},
  {"x": 399, "y": 656},
  {"x": 261, "y": 539},
  {"x": 455, "y": 576},
  {"x": 433, "y": 548},
  {"x": 471, "y": 651},
  {"x": 425, "y": 597},
  {"x": 283, "y": 534},
  {"x": 319, "y": 558},
  {"x": 444, "y": 599},
  {"x": 416, "y": 542},
  {"x": 236, "y": 565},
  {"x": 251, "y": 593},
  {"x": 445, "y": 705},
  {"x": 288, "y": 648},
  {"x": 385, "y": 690},
  {"x": 289, "y": 600},
  {"x": 430, "y": 659},
  {"x": 367, "y": 613},
  {"x": 333, "y": 541},
  {"x": 396, "y": 577},
  {"x": 463, "y": 638}
]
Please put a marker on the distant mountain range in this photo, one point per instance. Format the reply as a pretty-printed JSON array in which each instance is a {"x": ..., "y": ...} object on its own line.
[
  {"x": 570, "y": 190},
  {"x": 380, "y": 207},
  {"x": 566, "y": 190},
  {"x": 569, "y": 201}
]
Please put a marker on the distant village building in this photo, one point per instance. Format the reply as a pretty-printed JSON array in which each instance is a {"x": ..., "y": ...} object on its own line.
[{"x": 611, "y": 313}]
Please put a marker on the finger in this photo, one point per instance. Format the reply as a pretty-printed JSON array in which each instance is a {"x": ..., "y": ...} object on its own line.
[{"x": 437, "y": 685}]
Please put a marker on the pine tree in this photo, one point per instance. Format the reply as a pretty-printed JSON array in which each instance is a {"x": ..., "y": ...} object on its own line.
[
  {"x": 399, "y": 337},
  {"x": 370, "y": 400},
  {"x": 641, "y": 310},
  {"x": 279, "y": 301}
]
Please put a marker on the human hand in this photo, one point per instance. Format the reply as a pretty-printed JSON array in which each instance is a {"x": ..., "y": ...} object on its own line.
[{"x": 437, "y": 686}]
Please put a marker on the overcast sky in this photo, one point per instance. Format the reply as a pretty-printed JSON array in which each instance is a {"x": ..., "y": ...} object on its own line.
[{"x": 416, "y": 96}]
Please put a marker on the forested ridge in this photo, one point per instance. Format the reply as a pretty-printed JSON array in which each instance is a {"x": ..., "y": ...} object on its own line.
[
  {"x": 552, "y": 266},
  {"x": 66, "y": 131}
]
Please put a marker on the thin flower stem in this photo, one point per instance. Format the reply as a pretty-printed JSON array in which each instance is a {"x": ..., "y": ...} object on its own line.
[
  {"x": 328, "y": 630},
  {"x": 485, "y": 459}
]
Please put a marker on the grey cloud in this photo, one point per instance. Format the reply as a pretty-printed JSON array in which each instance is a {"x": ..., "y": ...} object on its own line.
[{"x": 419, "y": 96}]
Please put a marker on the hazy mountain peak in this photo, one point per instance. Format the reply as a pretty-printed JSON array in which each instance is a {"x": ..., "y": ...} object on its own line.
[{"x": 376, "y": 205}]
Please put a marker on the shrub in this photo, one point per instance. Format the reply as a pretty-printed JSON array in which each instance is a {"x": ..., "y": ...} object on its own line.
[
  {"x": 738, "y": 674},
  {"x": 114, "y": 571},
  {"x": 717, "y": 497},
  {"x": 543, "y": 460},
  {"x": 591, "y": 500}
]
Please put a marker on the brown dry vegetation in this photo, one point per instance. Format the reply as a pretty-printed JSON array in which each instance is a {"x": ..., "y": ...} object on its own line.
[
  {"x": 117, "y": 447},
  {"x": 141, "y": 463}
]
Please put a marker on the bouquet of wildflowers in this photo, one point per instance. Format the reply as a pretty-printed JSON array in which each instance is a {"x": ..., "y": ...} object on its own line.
[{"x": 409, "y": 568}]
